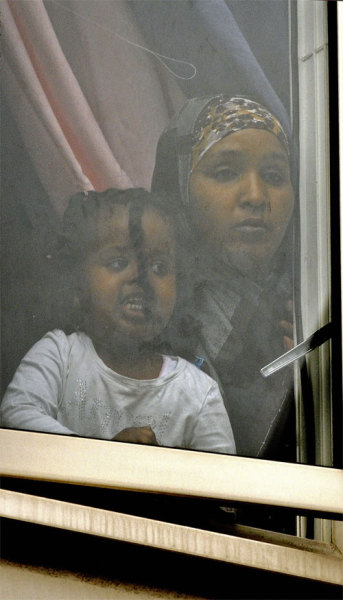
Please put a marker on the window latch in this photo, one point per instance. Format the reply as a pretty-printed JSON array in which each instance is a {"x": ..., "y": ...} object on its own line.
[{"x": 313, "y": 341}]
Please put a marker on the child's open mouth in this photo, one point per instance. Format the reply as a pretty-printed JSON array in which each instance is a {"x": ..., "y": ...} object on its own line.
[{"x": 135, "y": 307}]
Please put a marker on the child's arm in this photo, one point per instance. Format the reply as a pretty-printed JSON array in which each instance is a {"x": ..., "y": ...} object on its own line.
[
  {"x": 31, "y": 399},
  {"x": 212, "y": 428}
]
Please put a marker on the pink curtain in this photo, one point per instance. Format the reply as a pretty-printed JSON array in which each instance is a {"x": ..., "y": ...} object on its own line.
[{"x": 89, "y": 103}]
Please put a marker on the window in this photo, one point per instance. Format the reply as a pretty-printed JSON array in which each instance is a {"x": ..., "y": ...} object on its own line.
[{"x": 64, "y": 143}]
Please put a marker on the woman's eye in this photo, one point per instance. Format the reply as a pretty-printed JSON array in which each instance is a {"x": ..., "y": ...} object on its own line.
[
  {"x": 274, "y": 177},
  {"x": 117, "y": 264},
  {"x": 225, "y": 174}
]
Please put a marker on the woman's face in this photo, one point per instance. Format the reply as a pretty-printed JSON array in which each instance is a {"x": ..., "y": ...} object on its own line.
[{"x": 241, "y": 198}]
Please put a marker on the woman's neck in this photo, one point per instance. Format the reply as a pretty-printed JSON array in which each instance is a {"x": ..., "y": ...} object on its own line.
[
  {"x": 225, "y": 269},
  {"x": 138, "y": 363}
]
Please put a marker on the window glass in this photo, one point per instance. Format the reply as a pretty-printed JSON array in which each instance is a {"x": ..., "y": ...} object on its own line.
[{"x": 230, "y": 269}]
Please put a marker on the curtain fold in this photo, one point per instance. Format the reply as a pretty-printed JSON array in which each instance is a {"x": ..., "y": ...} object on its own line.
[
  {"x": 94, "y": 124},
  {"x": 88, "y": 95},
  {"x": 206, "y": 34},
  {"x": 42, "y": 136}
]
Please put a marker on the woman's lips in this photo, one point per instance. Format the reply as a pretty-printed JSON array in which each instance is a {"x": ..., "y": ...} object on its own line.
[{"x": 251, "y": 226}]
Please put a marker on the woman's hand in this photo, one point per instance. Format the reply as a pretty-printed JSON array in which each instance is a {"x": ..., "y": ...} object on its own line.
[
  {"x": 137, "y": 435},
  {"x": 287, "y": 327}
]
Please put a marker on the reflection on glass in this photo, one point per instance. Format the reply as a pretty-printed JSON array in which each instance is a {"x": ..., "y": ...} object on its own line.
[{"x": 83, "y": 122}]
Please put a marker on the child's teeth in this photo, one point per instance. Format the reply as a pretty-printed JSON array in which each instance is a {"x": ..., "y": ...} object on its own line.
[{"x": 135, "y": 305}]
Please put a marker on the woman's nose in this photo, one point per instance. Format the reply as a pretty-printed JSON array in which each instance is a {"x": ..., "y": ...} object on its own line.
[{"x": 253, "y": 192}]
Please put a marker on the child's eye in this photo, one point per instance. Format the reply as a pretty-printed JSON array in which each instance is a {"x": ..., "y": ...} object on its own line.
[
  {"x": 160, "y": 268},
  {"x": 117, "y": 264}
]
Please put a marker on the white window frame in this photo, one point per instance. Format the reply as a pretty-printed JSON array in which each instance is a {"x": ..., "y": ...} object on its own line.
[
  {"x": 170, "y": 471},
  {"x": 315, "y": 259}
]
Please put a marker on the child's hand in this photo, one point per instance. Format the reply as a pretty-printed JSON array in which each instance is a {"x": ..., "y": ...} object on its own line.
[
  {"x": 287, "y": 327},
  {"x": 137, "y": 435}
]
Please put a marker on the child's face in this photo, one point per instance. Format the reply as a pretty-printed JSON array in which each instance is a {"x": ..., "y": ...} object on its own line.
[{"x": 131, "y": 285}]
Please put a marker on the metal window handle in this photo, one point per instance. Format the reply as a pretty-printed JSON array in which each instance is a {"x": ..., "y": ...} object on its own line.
[{"x": 313, "y": 341}]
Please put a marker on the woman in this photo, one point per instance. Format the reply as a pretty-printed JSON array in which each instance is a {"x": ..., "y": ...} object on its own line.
[{"x": 228, "y": 160}]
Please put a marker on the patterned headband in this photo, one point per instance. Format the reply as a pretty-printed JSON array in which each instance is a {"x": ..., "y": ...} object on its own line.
[{"x": 221, "y": 117}]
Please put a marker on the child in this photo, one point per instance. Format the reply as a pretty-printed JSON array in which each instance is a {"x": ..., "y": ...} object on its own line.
[{"x": 108, "y": 379}]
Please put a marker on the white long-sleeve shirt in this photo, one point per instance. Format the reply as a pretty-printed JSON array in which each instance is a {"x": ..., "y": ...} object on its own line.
[{"x": 62, "y": 386}]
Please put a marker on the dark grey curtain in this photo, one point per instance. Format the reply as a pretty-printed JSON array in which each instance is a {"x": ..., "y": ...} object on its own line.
[{"x": 224, "y": 50}]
